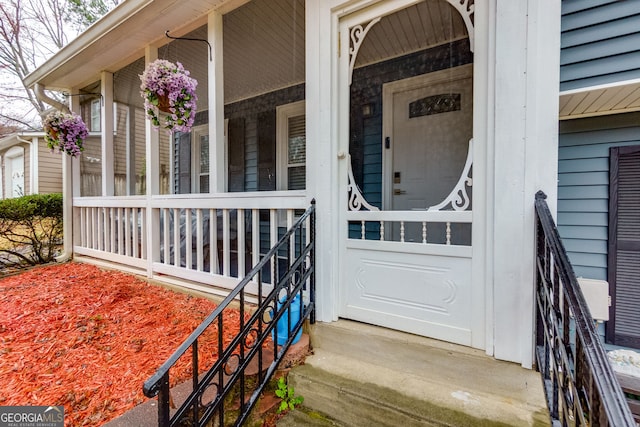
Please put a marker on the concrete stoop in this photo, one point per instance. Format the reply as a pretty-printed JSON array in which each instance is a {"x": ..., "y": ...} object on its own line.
[{"x": 360, "y": 375}]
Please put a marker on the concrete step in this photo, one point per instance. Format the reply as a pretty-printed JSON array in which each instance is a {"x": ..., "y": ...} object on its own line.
[{"x": 361, "y": 375}]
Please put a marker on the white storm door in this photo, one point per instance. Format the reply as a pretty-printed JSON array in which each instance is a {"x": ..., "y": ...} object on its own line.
[{"x": 416, "y": 275}]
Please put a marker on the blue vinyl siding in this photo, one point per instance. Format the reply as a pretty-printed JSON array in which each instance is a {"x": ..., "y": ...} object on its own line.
[
  {"x": 583, "y": 186},
  {"x": 600, "y": 42}
]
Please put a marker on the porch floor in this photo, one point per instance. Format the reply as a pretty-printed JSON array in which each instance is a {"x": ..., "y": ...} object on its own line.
[{"x": 362, "y": 375}]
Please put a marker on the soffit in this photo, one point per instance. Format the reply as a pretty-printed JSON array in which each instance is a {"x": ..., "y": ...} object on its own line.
[{"x": 620, "y": 97}]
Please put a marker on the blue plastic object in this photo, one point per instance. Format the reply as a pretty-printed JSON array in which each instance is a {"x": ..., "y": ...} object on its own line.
[{"x": 283, "y": 323}]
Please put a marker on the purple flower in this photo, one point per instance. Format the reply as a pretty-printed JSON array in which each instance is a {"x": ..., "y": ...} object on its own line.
[
  {"x": 162, "y": 79},
  {"x": 65, "y": 132}
]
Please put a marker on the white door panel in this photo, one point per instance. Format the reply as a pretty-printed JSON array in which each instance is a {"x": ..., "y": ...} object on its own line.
[{"x": 423, "y": 294}]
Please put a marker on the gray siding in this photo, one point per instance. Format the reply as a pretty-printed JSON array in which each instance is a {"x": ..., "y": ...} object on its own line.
[
  {"x": 49, "y": 169},
  {"x": 600, "y": 42},
  {"x": 583, "y": 186},
  {"x": 249, "y": 110},
  {"x": 251, "y": 154}
]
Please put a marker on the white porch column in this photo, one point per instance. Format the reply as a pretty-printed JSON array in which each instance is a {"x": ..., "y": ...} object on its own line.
[
  {"x": 152, "y": 141},
  {"x": 106, "y": 128},
  {"x": 70, "y": 187},
  {"x": 152, "y": 166},
  {"x": 34, "y": 178},
  {"x": 131, "y": 150},
  {"x": 321, "y": 130},
  {"x": 525, "y": 109},
  {"x": 215, "y": 76}
]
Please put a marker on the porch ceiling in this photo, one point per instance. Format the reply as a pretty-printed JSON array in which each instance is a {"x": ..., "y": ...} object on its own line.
[
  {"x": 421, "y": 26},
  {"x": 264, "y": 42},
  {"x": 119, "y": 38},
  {"x": 620, "y": 97}
]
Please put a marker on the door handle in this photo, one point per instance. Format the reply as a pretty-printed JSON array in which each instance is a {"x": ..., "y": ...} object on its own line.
[{"x": 397, "y": 191}]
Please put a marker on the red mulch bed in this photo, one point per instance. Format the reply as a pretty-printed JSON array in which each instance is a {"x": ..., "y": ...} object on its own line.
[{"x": 75, "y": 335}]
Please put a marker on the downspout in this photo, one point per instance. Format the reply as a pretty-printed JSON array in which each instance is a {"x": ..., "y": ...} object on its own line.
[
  {"x": 38, "y": 89},
  {"x": 67, "y": 204}
]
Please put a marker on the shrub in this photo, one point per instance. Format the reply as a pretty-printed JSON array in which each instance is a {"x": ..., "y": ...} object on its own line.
[{"x": 30, "y": 229}]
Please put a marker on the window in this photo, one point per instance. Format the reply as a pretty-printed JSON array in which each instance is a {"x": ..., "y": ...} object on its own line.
[
  {"x": 95, "y": 115},
  {"x": 203, "y": 169},
  {"x": 292, "y": 146}
]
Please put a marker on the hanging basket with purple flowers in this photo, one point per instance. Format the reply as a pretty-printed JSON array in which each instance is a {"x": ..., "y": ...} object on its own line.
[
  {"x": 65, "y": 132},
  {"x": 167, "y": 87}
]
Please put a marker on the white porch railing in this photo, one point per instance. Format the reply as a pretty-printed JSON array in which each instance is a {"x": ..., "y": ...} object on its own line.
[
  {"x": 112, "y": 228},
  {"x": 193, "y": 237},
  {"x": 416, "y": 227}
]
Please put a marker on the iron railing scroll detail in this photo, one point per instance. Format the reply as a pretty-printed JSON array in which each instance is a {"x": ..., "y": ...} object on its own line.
[
  {"x": 281, "y": 285},
  {"x": 580, "y": 385}
]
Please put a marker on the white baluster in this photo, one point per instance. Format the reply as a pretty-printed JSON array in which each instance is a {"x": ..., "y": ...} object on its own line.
[
  {"x": 363, "y": 235},
  {"x": 112, "y": 229},
  {"x": 127, "y": 231},
  {"x": 448, "y": 233},
  {"x": 100, "y": 225},
  {"x": 213, "y": 241},
  {"x": 107, "y": 229},
  {"x": 166, "y": 237},
  {"x": 292, "y": 239},
  {"x": 177, "y": 253},
  {"x": 136, "y": 218},
  {"x": 381, "y": 230},
  {"x": 143, "y": 233},
  {"x": 273, "y": 227},
  {"x": 83, "y": 230},
  {"x": 226, "y": 243},
  {"x": 199, "y": 240},
  {"x": 402, "y": 231},
  {"x": 120, "y": 231},
  {"x": 94, "y": 231},
  {"x": 188, "y": 243},
  {"x": 424, "y": 232},
  {"x": 255, "y": 236},
  {"x": 241, "y": 242}
]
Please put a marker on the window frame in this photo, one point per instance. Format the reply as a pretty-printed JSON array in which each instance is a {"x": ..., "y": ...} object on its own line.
[
  {"x": 283, "y": 114},
  {"x": 95, "y": 114}
]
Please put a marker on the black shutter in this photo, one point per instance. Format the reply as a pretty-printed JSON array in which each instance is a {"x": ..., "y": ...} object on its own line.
[
  {"x": 623, "y": 327},
  {"x": 236, "y": 140},
  {"x": 183, "y": 164},
  {"x": 267, "y": 150}
]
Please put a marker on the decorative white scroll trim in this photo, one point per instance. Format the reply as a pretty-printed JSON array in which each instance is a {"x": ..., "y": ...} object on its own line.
[
  {"x": 466, "y": 9},
  {"x": 356, "y": 199},
  {"x": 357, "y": 37},
  {"x": 459, "y": 199}
]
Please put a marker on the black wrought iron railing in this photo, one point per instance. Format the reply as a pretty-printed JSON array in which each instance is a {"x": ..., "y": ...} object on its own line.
[
  {"x": 224, "y": 392},
  {"x": 580, "y": 385}
]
